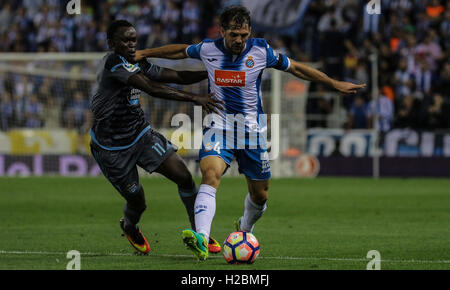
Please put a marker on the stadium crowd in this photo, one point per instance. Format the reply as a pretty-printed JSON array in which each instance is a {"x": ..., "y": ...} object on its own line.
[{"x": 412, "y": 38}]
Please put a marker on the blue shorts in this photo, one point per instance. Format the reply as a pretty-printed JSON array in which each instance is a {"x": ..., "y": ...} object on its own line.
[{"x": 253, "y": 162}]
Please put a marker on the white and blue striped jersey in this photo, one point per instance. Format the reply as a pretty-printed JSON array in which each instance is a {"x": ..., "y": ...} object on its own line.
[{"x": 236, "y": 79}]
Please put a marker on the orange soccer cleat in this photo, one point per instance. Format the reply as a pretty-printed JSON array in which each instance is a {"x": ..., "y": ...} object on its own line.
[
  {"x": 136, "y": 238},
  {"x": 213, "y": 246}
]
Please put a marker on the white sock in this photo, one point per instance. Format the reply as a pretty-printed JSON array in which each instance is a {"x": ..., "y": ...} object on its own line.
[
  {"x": 252, "y": 213},
  {"x": 205, "y": 209}
]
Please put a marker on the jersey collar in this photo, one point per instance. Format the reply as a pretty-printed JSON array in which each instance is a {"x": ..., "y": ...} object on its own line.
[{"x": 220, "y": 44}]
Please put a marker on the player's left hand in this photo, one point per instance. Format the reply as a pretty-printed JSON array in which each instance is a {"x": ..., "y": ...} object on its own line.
[{"x": 346, "y": 87}]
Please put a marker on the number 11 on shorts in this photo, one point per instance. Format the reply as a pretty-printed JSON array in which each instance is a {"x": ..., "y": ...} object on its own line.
[{"x": 158, "y": 148}]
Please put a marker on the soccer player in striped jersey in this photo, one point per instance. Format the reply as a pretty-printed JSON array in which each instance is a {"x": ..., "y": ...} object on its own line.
[{"x": 235, "y": 63}]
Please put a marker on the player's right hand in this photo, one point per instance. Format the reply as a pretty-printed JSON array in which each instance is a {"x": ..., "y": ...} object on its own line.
[
  {"x": 139, "y": 55},
  {"x": 210, "y": 104}
]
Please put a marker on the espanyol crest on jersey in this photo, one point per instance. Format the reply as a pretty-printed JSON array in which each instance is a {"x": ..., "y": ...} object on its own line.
[{"x": 250, "y": 62}]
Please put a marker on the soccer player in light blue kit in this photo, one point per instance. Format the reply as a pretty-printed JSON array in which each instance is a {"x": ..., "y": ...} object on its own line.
[{"x": 235, "y": 63}]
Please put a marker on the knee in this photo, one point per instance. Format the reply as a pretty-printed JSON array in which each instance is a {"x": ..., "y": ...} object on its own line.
[
  {"x": 260, "y": 198},
  {"x": 260, "y": 195},
  {"x": 184, "y": 180},
  {"x": 211, "y": 176}
]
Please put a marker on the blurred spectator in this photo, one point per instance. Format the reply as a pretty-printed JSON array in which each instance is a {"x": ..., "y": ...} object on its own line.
[
  {"x": 191, "y": 16},
  {"x": 350, "y": 63},
  {"x": 214, "y": 30},
  {"x": 388, "y": 92},
  {"x": 170, "y": 18},
  {"x": 430, "y": 51},
  {"x": 384, "y": 109},
  {"x": 279, "y": 46},
  {"x": 33, "y": 112},
  {"x": 52, "y": 114},
  {"x": 435, "y": 9},
  {"x": 408, "y": 113},
  {"x": 44, "y": 92},
  {"x": 445, "y": 29},
  {"x": 362, "y": 75},
  {"x": 6, "y": 111},
  {"x": 403, "y": 79},
  {"x": 422, "y": 24},
  {"x": 443, "y": 84},
  {"x": 78, "y": 118},
  {"x": 424, "y": 78},
  {"x": 408, "y": 51},
  {"x": 357, "y": 117},
  {"x": 142, "y": 26},
  {"x": 332, "y": 47},
  {"x": 6, "y": 16},
  {"x": 158, "y": 37},
  {"x": 437, "y": 114},
  {"x": 330, "y": 19},
  {"x": 19, "y": 106},
  {"x": 23, "y": 86},
  {"x": 321, "y": 110},
  {"x": 78, "y": 113},
  {"x": 387, "y": 62},
  {"x": 320, "y": 107}
]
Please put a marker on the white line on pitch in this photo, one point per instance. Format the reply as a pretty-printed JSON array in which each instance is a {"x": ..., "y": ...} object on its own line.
[{"x": 414, "y": 261}]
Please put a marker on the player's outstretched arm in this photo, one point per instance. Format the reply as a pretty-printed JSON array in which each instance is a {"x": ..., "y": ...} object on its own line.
[
  {"x": 159, "y": 90},
  {"x": 306, "y": 72},
  {"x": 170, "y": 51},
  {"x": 182, "y": 77}
]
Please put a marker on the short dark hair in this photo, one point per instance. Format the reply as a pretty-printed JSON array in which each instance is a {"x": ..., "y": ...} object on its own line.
[
  {"x": 115, "y": 26},
  {"x": 239, "y": 14}
]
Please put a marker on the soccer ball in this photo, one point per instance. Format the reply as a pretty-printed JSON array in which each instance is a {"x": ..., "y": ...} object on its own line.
[{"x": 240, "y": 247}]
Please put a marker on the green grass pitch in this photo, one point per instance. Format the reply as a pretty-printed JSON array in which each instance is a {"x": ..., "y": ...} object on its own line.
[{"x": 323, "y": 223}]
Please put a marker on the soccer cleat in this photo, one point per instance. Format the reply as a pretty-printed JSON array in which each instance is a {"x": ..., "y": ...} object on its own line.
[
  {"x": 196, "y": 243},
  {"x": 237, "y": 224},
  {"x": 135, "y": 237},
  {"x": 213, "y": 246}
]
